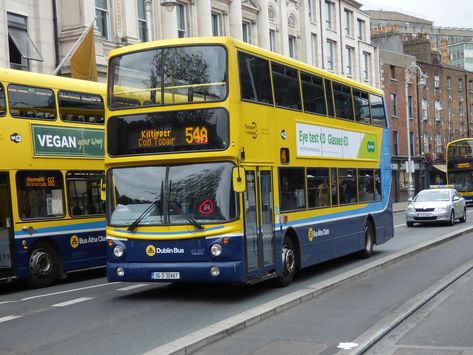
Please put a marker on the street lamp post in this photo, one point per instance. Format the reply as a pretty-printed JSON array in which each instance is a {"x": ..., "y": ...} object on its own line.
[{"x": 416, "y": 71}]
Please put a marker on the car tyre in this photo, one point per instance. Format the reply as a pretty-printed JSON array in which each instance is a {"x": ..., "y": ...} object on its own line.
[
  {"x": 369, "y": 241},
  {"x": 452, "y": 218},
  {"x": 43, "y": 265},
  {"x": 463, "y": 219},
  {"x": 289, "y": 265},
  {"x": 410, "y": 224}
]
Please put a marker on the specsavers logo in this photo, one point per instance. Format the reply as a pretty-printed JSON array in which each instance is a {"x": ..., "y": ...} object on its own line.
[
  {"x": 150, "y": 250},
  {"x": 74, "y": 241}
]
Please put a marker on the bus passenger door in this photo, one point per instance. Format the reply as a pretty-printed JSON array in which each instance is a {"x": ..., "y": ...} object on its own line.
[
  {"x": 6, "y": 227},
  {"x": 259, "y": 231}
]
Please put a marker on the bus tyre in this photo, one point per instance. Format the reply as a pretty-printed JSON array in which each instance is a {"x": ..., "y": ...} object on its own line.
[
  {"x": 288, "y": 255},
  {"x": 452, "y": 218},
  {"x": 463, "y": 219},
  {"x": 43, "y": 265},
  {"x": 369, "y": 241}
]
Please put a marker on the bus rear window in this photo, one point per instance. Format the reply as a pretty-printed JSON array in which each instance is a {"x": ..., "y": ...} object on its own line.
[
  {"x": 378, "y": 115},
  {"x": 31, "y": 102},
  {"x": 81, "y": 107},
  {"x": 167, "y": 76},
  {"x": 40, "y": 194}
]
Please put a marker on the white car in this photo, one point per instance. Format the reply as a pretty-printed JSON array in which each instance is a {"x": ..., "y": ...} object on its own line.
[{"x": 436, "y": 205}]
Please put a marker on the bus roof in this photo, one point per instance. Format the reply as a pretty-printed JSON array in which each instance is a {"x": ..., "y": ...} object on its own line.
[
  {"x": 231, "y": 42},
  {"x": 50, "y": 81}
]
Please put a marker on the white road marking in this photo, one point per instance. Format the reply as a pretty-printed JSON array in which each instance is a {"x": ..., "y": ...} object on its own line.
[
  {"x": 132, "y": 287},
  {"x": 68, "y": 291},
  {"x": 68, "y": 303},
  {"x": 7, "y": 318}
]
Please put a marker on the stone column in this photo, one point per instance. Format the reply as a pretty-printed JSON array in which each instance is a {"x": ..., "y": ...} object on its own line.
[
  {"x": 236, "y": 20},
  {"x": 284, "y": 31},
  {"x": 263, "y": 24},
  {"x": 168, "y": 23},
  {"x": 204, "y": 18}
]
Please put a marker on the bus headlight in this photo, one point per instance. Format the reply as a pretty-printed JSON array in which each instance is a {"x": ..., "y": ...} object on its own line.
[
  {"x": 216, "y": 249},
  {"x": 214, "y": 271},
  {"x": 118, "y": 250}
]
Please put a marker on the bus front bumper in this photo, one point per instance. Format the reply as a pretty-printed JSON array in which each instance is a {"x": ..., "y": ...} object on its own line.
[{"x": 218, "y": 272}]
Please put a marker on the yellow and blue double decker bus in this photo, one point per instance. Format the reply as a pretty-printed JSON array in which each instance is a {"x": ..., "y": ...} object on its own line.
[
  {"x": 52, "y": 219},
  {"x": 459, "y": 162},
  {"x": 229, "y": 163}
]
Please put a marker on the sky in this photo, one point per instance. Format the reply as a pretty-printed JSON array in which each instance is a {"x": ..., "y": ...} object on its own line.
[{"x": 444, "y": 13}]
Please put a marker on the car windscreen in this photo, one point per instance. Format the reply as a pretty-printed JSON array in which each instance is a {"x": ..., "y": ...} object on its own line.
[{"x": 425, "y": 196}]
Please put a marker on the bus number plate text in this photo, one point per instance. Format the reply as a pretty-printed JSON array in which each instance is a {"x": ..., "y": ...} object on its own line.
[{"x": 165, "y": 275}]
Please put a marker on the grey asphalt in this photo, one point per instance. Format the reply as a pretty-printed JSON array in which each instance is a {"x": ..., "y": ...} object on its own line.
[{"x": 203, "y": 341}]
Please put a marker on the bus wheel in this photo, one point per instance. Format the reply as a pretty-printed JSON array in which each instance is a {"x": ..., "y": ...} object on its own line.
[
  {"x": 369, "y": 241},
  {"x": 288, "y": 255},
  {"x": 43, "y": 266}
]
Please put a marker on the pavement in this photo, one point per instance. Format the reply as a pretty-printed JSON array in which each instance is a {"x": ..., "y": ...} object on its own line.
[{"x": 399, "y": 206}]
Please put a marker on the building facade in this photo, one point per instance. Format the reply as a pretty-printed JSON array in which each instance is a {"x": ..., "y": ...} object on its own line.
[{"x": 331, "y": 34}]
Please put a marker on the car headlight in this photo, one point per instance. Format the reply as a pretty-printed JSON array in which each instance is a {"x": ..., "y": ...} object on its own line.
[
  {"x": 118, "y": 250},
  {"x": 216, "y": 249},
  {"x": 410, "y": 208},
  {"x": 441, "y": 209}
]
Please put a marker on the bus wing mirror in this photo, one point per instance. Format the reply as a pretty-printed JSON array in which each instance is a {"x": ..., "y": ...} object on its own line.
[
  {"x": 103, "y": 190},
  {"x": 238, "y": 177}
]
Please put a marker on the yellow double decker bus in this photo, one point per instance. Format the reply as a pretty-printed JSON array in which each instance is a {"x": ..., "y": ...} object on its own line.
[
  {"x": 229, "y": 163},
  {"x": 459, "y": 163},
  {"x": 52, "y": 141}
]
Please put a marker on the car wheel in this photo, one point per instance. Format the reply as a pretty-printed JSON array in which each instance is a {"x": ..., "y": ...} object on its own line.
[
  {"x": 410, "y": 224},
  {"x": 369, "y": 241},
  {"x": 463, "y": 219},
  {"x": 288, "y": 255},
  {"x": 452, "y": 218},
  {"x": 43, "y": 265}
]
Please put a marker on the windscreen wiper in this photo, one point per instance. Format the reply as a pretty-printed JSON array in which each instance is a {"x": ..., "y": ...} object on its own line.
[
  {"x": 189, "y": 218},
  {"x": 148, "y": 209}
]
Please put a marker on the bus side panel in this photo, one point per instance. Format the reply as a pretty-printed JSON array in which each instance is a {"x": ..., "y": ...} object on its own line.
[{"x": 78, "y": 247}]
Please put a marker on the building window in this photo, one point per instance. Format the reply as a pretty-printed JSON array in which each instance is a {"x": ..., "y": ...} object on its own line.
[
  {"x": 394, "y": 105},
  {"x": 246, "y": 26},
  {"x": 142, "y": 24},
  {"x": 349, "y": 60},
  {"x": 181, "y": 11},
  {"x": 330, "y": 55},
  {"x": 426, "y": 142},
  {"x": 292, "y": 47},
  {"x": 330, "y": 15},
  {"x": 314, "y": 45},
  {"x": 395, "y": 143},
  {"x": 361, "y": 29},
  {"x": 449, "y": 83},
  {"x": 366, "y": 66},
  {"x": 312, "y": 12},
  {"x": 392, "y": 71},
  {"x": 348, "y": 22},
  {"x": 424, "y": 109},
  {"x": 410, "y": 107},
  {"x": 217, "y": 24},
  {"x": 438, "y": 108},
  {"x": 21, "y": 47},
  {"x": 272, "y": 41},
  {"x": 437, "y": 81},
  {"x": 412, "y": 145},
  {"x": 438, "y": 143},
  {"x": 460, "y": 85},
  {"x": 103, "y": 18}
]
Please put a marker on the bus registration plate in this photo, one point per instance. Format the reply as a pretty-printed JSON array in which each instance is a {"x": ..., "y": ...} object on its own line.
[{"x": 165, "y": 275}]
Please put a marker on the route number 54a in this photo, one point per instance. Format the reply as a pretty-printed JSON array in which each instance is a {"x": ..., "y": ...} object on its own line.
[{"x": 196, "y": 135}]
